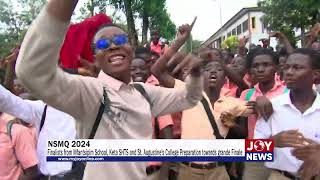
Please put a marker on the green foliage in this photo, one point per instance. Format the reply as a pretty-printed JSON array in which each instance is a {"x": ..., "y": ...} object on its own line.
[
  {"x": 231, "y": 43},
  {"x": 289, "y": 14},
  {"x": 14, "y": 23},
  {"x": 163, "y": 23},
  {"x": 91, "y": 7},
  {"x": 154, "y": 11}
]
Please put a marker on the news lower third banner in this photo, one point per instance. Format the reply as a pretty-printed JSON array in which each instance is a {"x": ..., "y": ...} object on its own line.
[{"x": 226, "y": 150}]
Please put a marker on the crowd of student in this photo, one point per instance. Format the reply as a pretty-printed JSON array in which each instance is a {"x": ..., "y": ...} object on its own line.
[{"x": 87, "y": 81}]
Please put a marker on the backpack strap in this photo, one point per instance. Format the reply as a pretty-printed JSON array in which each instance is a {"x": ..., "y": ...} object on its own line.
[
  {"x": 99, "y": 115},
  {"x": 142, "y": 91},
  {"x": 211, "y": 118},
  {"x": 43, "y": 118},
  {"x": 9, "y": 128},
  {"x": 250, "y": 94}
]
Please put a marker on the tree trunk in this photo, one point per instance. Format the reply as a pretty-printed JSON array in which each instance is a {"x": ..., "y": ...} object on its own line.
[
  {"x": 145, "y": 26},
  {"x": 130, "y": 22},
  {"x": 91, "y": 8},
  {"x": 302, "y": 36}
]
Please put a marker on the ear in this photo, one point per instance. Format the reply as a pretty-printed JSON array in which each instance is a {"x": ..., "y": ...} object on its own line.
[{"x": 316, "y": 76}]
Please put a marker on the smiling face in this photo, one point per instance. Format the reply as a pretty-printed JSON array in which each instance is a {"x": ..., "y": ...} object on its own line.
[
  {"x": 140, "y": 70},
  {"x": 114, "y": 60}
]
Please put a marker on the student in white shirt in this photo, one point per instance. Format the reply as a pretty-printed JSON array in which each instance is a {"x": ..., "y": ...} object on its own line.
[
  {"x": 296, "y": 114},
  {"x": 57, "y": 125}
]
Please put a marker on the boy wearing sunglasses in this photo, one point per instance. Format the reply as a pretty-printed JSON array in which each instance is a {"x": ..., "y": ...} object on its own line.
[{"x": 127, "y": 114}]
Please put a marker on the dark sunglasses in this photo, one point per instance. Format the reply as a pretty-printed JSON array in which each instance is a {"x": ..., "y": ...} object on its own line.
[{"x": 117, "y": 40}]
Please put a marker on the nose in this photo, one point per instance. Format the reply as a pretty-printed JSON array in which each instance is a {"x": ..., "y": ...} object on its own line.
[
  {"x": 288, "y": 71},
  {"x": 113, "y": 46},
  {"x": 260, "y": 69}
]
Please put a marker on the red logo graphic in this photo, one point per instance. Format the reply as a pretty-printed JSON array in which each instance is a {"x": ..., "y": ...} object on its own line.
[{"x": 259, "y": 145}]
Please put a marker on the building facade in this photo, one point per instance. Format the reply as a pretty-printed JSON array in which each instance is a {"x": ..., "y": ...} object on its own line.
[{"x": 247, "y": 22}]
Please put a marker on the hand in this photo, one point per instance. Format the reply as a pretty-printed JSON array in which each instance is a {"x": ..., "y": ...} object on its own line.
[
  {"x": 184, "y": 32},
  {"x": 196, "y": 65},
  {"x": 290, "y": 138},
  {"x": 88, "y": 69},
  {"x": 310, "y": 154},
  {"x": 263, "y": 107},
  {"x": 277, "y": 34},
  {"x": 305, "y": 152},
  {"x": 210, "y": 55},
  {"x": 243, "y": 41},
  {"x": 227, "y": 119},
  {"x": 315, "y": 31},
  {"x": 251, "y": 106},
  {"x": 12, "y": 58},
  {"x": 177, "y": 62}
]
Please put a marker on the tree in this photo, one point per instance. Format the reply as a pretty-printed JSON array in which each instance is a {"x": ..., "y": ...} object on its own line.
[
  {"x": 290, "y": 14},
  {"x": 90, "y": 8},
  {"x": 153, "y": 14},
  {"x": 14, "y": 23},
  {"x": 231, "y": 43}
]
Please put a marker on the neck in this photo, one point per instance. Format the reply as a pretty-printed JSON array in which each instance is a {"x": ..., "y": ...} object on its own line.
[
  {"x": 266, "y": 86},
  {"x": 302, "y": 96},
  {"x": 124, "y": 77},
  {"x": 213, "y": 94}
]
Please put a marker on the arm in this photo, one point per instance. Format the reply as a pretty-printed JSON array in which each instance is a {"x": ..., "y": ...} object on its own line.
[
  {"x": 11, "y": 61},
  {"x": 315, "y": 30},
  {"x": 17, "y": 107},
  {"x": 242, "y": 48},
  {"x": 283, "y": 39},
  {"x": 38, "y": 70},
  {"x": 169, "y": 100},
  {"x": 159, "y": 69},
  {"x": 23, "y": 144}
]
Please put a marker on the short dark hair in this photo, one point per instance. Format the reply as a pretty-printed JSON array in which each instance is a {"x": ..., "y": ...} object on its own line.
[
  {"x": 261, "y": 51},
  {"x": 313, "y": 55},
  {"x": 216, "y": 49},
  {"x": 99, "y": 29},
  {"x": 142, "y": 50}
]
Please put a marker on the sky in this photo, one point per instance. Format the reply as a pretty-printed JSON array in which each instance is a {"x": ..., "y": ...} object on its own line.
[{"x": 207, "y": 11}]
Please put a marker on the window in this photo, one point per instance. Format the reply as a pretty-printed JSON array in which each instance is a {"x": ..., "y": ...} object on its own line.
[
  {"x": 239, "y": 30},
  {"x": 245, "y": 26},
  {"x": 253, "y": 22},
  {"x": 234, "y": 32},
  {"x": 229, "y": 34}
]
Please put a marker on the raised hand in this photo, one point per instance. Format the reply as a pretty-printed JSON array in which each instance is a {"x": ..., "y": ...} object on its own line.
[
  {"x": 177, "y": 62},
  {"x": 243, "y": 41},
  {"x": 315, "y": 31},
  {"x": 184, "y": 32},
  {"x": 277, "y": 34}
]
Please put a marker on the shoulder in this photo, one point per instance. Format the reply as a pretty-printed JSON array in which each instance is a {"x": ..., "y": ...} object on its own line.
[
  {"x": 20, "y": 132},
  {"x": 244, "y": 93},
  {"x": 277, "y": 101}
]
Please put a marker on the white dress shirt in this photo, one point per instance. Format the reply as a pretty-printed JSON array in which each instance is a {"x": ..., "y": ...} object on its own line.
[
  {"x": 287, "y": 117},
  {"x": 57, "y": 125}
]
